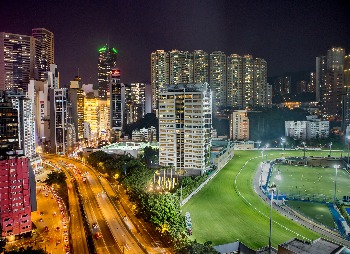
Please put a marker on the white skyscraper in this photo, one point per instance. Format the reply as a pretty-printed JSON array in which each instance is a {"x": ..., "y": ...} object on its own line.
[{"x": 185, "y": 120}]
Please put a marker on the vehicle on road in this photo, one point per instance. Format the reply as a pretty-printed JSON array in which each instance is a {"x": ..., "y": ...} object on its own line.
[{"x": 98, "y": 235}]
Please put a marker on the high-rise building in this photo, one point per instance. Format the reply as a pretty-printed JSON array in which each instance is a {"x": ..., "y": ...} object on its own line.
[
  {"x": 44, "y": 55},
  {"x": 76, "y": 98},
  {"x": 18, "y": 195},
  {"x": 26, "y": 123},
  {"x": 106, "y": 62},
  {"x": 117, "y": 103},
  {"x": 239, "y": 125},
  {"x": 159, "y": 74},
  {"x": 311, "y": 85},
  {"x": 16, "y": 60},
  {"x": 17, "y": 182},
  {"x": 91, "y": 116},
  {"x": 346, "y": 101},
  {"x": 330, "y": 82},
  {"x": 237, "y": 82},
  {"x": 200, "y": 67},
  {"x": 58, "y": 120},
  {"x": 180, "y": 67},
  {"x": 185, "y": 121},
  {"x": 217, "y": 78}
]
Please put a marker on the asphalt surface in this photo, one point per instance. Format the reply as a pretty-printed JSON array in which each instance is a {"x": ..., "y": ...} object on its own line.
[{"x": 261, "y": 176}]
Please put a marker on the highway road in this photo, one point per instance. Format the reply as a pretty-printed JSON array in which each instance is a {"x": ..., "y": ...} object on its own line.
[
  {"x": 75, "y": 228},
  {"x": 119, "y": 234}
]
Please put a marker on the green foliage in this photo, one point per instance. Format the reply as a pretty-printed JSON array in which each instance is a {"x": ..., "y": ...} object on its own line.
[
  {"x": 150, "y": 155},
  {"x": 189, "y": 184},
  {"x": 137, "y": 175},
  {"x": 197, "y": 248},
  {"x": 28, "y": 250},
  {"x": 55, "y": 177}
]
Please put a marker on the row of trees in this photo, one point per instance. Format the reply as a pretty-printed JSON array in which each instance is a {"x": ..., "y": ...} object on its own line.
[{"x": 161, "y": 209}]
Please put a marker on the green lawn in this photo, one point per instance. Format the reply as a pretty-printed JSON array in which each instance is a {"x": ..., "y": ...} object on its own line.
[
  {"x": 219, "y": 214},
  {"x": 318, "y": 212},
  {"x": 311, "y": 182}
]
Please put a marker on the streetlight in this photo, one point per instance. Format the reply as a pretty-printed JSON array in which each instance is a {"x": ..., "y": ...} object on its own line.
[
  {"x": 283, "y": 141},
  {"x": 272, "y": 189},
  {"x": 304, "y": 149},
  {"x": 279, "y": 178},
  {"x": 258, "y": 142},
  {"x": 330, "y": 149},
  {"x": 335, "y": 183},
  {"x": 348, "y": 137},
  {"x": 267, "y": 145}
]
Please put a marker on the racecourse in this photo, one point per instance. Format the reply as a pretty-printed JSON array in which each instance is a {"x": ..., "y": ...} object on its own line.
[{"x": 224, "y": 211}]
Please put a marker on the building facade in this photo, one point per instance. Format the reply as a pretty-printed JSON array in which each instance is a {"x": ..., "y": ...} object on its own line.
[
  {"x": 16, "y": 60},
  {"x": 185, "y": 119},
  {"x": 239, "y": 125},
  {"x": 330, "y": 82},
  {"x": 44, "y": 55},
  {"x": 106, "y": 62}
]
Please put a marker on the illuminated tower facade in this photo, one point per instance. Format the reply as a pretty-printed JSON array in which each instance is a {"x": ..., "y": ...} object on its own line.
[
  {"x": 330, "y": 82},
  {"x": 16, "y": 60},
  {"x": 117, "y": 102},
  {"x": 159, "y": 74},
  {"x": 106, "y": 62},
  {"x": 200, "y": 67},
  {"x": 44, "y": 55},
  {"x": 217, "y": 79}
]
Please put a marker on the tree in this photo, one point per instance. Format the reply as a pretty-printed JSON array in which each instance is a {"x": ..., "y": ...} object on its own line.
[
  {"x": 198, "y": 248},
  {"x": 55, "y": 177},
  {"x": 150, "y": 155}
]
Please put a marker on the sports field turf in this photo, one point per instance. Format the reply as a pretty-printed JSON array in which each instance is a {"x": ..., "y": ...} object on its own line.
[
  {"x": 219, "y": 214},
  {"x": 318, "y": 212},
  {"x": 311, "y": 182}
]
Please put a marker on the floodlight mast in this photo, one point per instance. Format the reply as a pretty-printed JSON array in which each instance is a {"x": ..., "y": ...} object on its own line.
[
  {"x": 335, "y": 184},
  {"x": 272, "y": 189}
]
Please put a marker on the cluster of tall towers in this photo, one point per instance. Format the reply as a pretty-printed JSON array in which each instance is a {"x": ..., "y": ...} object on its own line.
[
  {"x": 333, "y": 85},
  {"x": 236, "y": 81}
]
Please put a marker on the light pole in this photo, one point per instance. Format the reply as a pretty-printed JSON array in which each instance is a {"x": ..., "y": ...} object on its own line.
[
  {"x": 283, "y": 141},
  {"x": 330, "y": 149},
  {"x": 304, "y": 149},
  {"x": 258, "y": 142},
  {"x": 267, "y": 145},
  {"x": 272, "y": 189},
  {"x": 335, "y": 183},
  {"x": 279, "y": 178},
  {"x": 348, "y": 150}
]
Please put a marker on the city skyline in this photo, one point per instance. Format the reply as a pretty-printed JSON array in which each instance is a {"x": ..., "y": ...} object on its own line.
[{"x": 288, "y": 37}]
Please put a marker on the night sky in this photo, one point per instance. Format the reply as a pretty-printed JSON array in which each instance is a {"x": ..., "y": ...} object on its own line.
[{"x": 287, "y": 34}]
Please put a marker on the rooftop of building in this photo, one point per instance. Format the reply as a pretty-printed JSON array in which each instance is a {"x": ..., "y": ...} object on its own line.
[{"x": 320, "y": 245}]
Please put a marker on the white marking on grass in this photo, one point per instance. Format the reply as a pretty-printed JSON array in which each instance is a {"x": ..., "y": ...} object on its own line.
[{"x": 266, "y": 216}]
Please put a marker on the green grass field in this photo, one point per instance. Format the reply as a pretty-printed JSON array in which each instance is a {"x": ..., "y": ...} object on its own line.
[
  {"x": 219, "y": 214},
  {"x": 318, "y": 212},
  {"x": 311, "y": 182}
]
